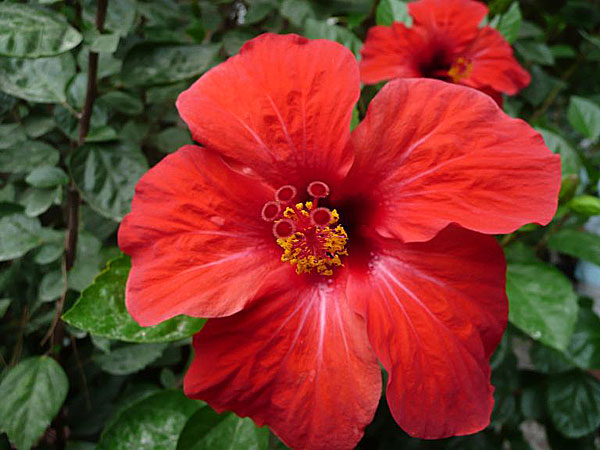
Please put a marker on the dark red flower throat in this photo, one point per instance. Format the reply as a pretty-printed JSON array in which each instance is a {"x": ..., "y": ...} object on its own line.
[{"x": 308, "y": 233}]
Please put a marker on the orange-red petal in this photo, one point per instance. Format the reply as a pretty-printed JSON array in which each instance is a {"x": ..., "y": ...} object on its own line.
[{"x": 435, "y": 312}]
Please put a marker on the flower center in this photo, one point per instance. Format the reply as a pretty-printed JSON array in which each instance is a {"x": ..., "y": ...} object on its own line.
[
  {"x": 461, "y": 69},
  {"x": 308, "y": 234}
]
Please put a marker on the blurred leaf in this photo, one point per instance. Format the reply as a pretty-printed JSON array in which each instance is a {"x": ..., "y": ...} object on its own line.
[
  {"x": 171, "y": 139},
  {"x": 47, "y": 176},
  {"x": 536, "y": 52},
  {"x": 315, "y": 29},
  {"x": 4, "y": 304},
  {"x": 297, "y": 11},
  {"x": 541, "y": 85},
  {"x": 389, "y": 11},
  {"x": 207, "y": 430},
  {"x": 10, "y": 134},
  {"x": 129, "y": 358},
  {"x": 510, "y": 23},
  {"x": 532, "y": 402},
  {"x": 587, "y": 205},
  {"x": 49, "y": 252},
  {"x": 584, "y": 116},
  {"x": 155, "y": 422},
  {"x": 37, "y": 201},
  {"x": 574, "y": 403},
  {"x": 37, "y": 125},
  {"x": 26, "y": 156},
  {"x": 579, "y": 244},
  {"x": 28, "y": 32},
  {"x": 51, "y": 286},
  {"x": 101, "y": 310},
  {"x": 148, "y": 64},
  {"x": 104, "y": 43},
  {"x": 88, "y": 261},
  {"x": 563, "y": 51},
  {"x": 42, "y": 80},
  {"x": 123, "y": 102},
  {"x": 234, "y": 39},
  {"x": 570, "y": 161},
  {"x": 106, "y": 176},
  {"x": 548, "y": 360},
  {"x": 258, "y": 10},
  {"x": 584, "y": 348},
  {"x": 18, "y": 235},
  {"x": 32, "y": 393},
  {"x": 542, "y": 303}
]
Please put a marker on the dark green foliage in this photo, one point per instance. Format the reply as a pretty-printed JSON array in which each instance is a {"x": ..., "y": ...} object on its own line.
[{"x": 95, "y": 378}]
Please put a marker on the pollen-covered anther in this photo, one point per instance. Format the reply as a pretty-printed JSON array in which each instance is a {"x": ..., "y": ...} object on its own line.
[
  {"x": 461, "y": 69},
  {"x": 316, "y": 243},
  {"x": 270, "y": 211}
]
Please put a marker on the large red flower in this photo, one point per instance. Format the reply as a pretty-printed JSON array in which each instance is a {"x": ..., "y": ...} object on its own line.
[
  {"x": 444, "y": 42},
  {"x": 317, "y": 253}
]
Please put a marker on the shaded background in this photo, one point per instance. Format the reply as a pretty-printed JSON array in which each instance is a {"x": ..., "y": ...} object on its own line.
[{"x": 99, "y": 381}]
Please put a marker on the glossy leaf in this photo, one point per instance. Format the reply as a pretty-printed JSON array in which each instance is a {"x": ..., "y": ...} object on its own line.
[
  {"x": 28, "y": 32},
  {"x": 584, "y": 348},
  {"x": 129, "y": 358},
  {"x": 101, "y": 310},
  {"x": 18, "y": 235},
  {"x": 207, "y": 430},
  {"x": 542, "y": 303},
  {"x": 579, "y": 244},
  {"x": 32, "y": 393},
  {"x": 106, "y": 176},
  {"x": 574, "y": 403},
  {"x": 47, "y": 176},
  {"x": 26, "y": 156},
  {"x": 154, "y": 422},
  {"x": 584, "y": 116},
  {"x": 146, "y": 65},
  {"x": 41, "y": 80}
]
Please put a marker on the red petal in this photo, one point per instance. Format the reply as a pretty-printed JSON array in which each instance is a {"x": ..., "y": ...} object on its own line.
[
  {"x": 394, "y": 52},
  {"x": 281, "y": 107},
  {"x": 197, "y": 241},
  {"x": 298, "y": 362},
  {"x": 454, "y": 21},
  {"x": 494, "y": 64},
  {"x": 433, "y": 153},
  {"x": 435, "y": 312}
]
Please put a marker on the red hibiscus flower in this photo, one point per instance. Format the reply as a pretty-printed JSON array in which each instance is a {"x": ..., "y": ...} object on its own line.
[
  {"x": 444, "y": 42},
  {"x": 317, "y": 253}
]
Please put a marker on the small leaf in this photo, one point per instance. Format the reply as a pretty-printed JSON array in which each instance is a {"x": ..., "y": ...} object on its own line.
[
  {"x": 584, "y": 116},
  {"x": 37, "y": 201},
  {"x": 105, "y": 43},
  {"x": 570, "y": 161},
  {"x": 389, "y": 11},
  {"x": 584, "y": 348},
  {"x": 47, "y": 176},
  {"x": 26, "y": 156},
  {"x": 149, "y": 64},
  {"x": 32, "y": 393},
  {"x": 41, "y": 80},
  {"x": 297, "y": 11},
  {"x": 123, "y": 102},
  {"x": 101, "y": 310},
  {"x": 129, "y": 358},
  {"x": 49, "y": 252},
  {"x": 510, "y": 23},
  {"x": 207, "y": 430},
  {"x": 4, "y": 304},
  {"x": 316, "y": 29},
  {"x": 579, "y": 244},
  {"x": 587, "y": 205},
  {"x": 542, "y": 303},
  {"x": 171, "y": 139},
  {"x": 106, "y": 175},
  {"x": 11, "y": 134},
  {"x": 18, "y": 235},
  {"x": 536, "y": 52},
  {"x": 28, "y": 32},
  {"x": 51, "y": 286},
  {"x": 574, "y": 403},
  {"x": 154, "y": 422}
]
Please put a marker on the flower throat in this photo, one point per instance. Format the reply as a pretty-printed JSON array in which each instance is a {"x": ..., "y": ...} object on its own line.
[{"x": 309, "y": 235}]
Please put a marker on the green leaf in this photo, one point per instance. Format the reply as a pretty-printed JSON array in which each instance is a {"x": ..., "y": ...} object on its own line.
[
  {"x": 51, "y": 286},
  {"x": 37, "y": 201},
  {"x": 32, "y": 393},
  {"x": 548, "y": 360},
  {"x": 570, "y": 161},
  {"x": 389, "y": 11},
  {"x": 510, "y": 23},
  {"x": 584, "y": 348},
  {"x": 171, "y": 139},
  {"x": 105, "y": 43},
  {"x": 88, "y": 261},
  {"x": 28, "y": 32},
  {"x": 149, "y": 64},
  {"x": 41, "y": 80},
  {"x": 542, "y": 303},
  {"x": 26, "y": 156},
  {"x": 18, "y": 235},
  {"x": 49, "y": 252},
  {"x": 10, "y": 134},
  {"x": 106, "y": 175},
  {"x": 47, "y": 176},
  {"x": 536, "y": 52},
  {"x": 37, "y": 125},
  {"x": 123, "y": 102},
  {"x": 129, "y": 358},
  {"x": 207, "y": 430},
  {"x": 541, "y": 85},
  {"x": 316, "y": 29},
  {"x": 101, "y": 310},
  {"x": 574, "y": 403},
  {"x": 155, "y": 422},
  {"x": 584, "y": 116},
  {"x": 297, "y": 11},
  {"x": 579, "y": 244},
  {"x": 258, "y": 10},
  {"x": 587, "y": 205},
  {"x": 4, "y": 304}
]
